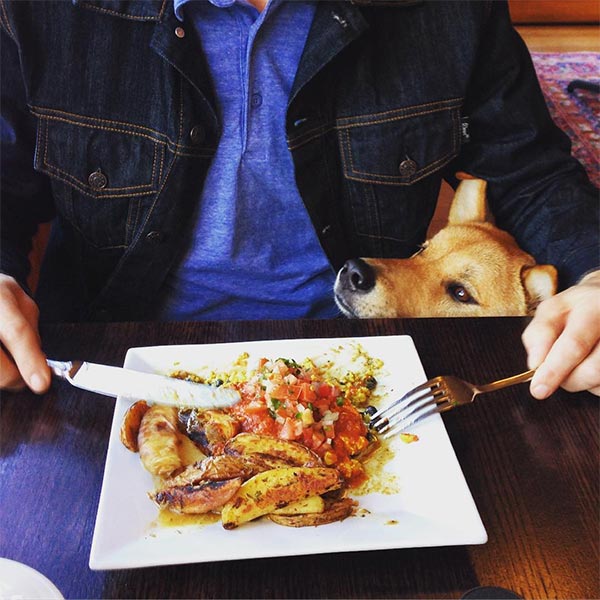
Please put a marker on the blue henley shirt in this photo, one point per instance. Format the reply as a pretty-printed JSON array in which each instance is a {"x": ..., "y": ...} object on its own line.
[{"x": 254, "y": 253}]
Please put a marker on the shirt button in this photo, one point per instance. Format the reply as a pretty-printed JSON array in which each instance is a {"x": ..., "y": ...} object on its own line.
[
  {"x": 180, "y": 32},
  {"x": 154, "y": 236},
  {"x": 196, "y": 134},
  {"x": 407, "y": 167},
  {"x": 256, "y": 100},
  {"x": 97, "y": 180}
]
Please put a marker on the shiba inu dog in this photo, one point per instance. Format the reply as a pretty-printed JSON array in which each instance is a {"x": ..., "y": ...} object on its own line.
[{"x": 470, "y": 268}]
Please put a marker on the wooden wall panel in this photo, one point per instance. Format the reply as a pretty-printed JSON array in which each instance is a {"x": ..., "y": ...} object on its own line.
[{"x": 555, "y": 11}]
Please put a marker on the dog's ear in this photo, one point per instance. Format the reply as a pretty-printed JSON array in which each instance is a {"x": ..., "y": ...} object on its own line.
[
  {"x": 468, "y": 204},
  {"x": 540, "y": 282}
]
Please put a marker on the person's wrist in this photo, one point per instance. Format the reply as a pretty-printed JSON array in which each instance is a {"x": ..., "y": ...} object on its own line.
[{"x": 590, "y": 277}]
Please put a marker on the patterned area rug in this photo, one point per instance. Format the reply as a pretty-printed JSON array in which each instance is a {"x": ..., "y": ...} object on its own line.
[{"x": 577, "y": 113}]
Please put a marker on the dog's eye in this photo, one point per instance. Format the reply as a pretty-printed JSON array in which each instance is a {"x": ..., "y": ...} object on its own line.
[{"x": 460, "y": 294}]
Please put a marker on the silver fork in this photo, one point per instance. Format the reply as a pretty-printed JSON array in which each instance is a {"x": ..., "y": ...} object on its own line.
[{"x": 434, "y": 396}]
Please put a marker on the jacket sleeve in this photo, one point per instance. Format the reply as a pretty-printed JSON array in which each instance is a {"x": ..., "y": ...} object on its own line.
[
  {"x": 26, "y": 199},
  {"x": 536, "y": 189}
]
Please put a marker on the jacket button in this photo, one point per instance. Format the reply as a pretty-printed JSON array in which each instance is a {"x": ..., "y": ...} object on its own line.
[
  {"x": 180, "y": 32},
  {"x": 196, "y": 134},
  {"x": 326, "y": 230},
  {"x": 154, "y": 236},
  {"x": 407, "y": 167},
  {"x": 97, "y": 180}
]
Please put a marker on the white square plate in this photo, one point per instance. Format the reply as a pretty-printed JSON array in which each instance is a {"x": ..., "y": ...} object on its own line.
[{"x": 426, "y": 473}]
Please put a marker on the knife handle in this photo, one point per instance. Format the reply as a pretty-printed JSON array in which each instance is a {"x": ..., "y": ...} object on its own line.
[{"x": 64, "y": 369}]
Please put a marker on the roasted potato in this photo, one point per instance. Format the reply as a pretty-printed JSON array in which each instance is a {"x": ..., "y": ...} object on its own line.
[
  {"x": 312, "y": 504},
  {"x": 337, "y": 510},
  {"x": 268, "y": 491},
  {"x": 159, "y": 441},
  {"x": 224, "y": 466},
  {"x": 292, "y": 452},
  {"x": 131, "y": 424}
]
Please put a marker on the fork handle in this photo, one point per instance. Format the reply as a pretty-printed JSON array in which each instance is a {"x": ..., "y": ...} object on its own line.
[{"x": 502, "y": 383}]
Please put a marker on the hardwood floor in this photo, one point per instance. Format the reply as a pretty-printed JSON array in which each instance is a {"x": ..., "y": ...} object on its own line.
[{"x": 561, "y": 38}]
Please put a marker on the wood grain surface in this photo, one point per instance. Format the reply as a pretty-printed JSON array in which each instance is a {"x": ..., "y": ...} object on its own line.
[{"x": 532, "y": 467}]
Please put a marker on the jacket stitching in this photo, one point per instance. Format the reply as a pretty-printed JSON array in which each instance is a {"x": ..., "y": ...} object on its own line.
[
  {"x": 401, "y": 113},
  {"x": 172, "y": 162},
  {"x": 351, "y": 172},
  {"x": 308, "y": 136},
  {"x": 127, "y": 128},
  {"x": 313, "y": 133},
  {"x": 397, "y": 118},
  {"x": 124, "y": 15},
  {"x": 41, "y": 112},
  {"x": 70, "y": 179},
  {"x": 6, "y": 21},
  {"x": 84, "y": 187}
]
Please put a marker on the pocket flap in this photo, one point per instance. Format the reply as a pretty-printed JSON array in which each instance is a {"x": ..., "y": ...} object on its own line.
[
  {"x": 99, "y": 160},
  {"x": 402, "y": 146}
]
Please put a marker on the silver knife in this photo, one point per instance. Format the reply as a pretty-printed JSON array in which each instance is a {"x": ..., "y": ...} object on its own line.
[{"x": 158, "y": 389}]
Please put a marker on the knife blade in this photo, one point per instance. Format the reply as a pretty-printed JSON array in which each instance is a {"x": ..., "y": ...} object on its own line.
[{"x": 137, "y": 385}]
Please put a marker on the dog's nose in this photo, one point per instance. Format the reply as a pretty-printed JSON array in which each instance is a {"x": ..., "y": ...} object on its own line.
[{"x": 359, "y": 275}]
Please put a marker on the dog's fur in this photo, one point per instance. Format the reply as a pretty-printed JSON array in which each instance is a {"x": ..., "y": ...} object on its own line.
[{"x": 469, "y": 269}]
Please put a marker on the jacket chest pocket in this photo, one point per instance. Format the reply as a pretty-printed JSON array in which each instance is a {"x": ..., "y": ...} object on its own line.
[
  {"x": 389, "y": 160},
  {"x": 104, "y": 177}
]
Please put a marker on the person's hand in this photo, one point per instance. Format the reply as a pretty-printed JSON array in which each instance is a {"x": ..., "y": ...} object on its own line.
[
  {"x": 563, "y": 340},
  {"x": 22, "y": 361}
]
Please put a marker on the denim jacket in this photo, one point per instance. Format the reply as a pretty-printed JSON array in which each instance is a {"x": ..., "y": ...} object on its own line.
[{"x": 109, "y": 125}]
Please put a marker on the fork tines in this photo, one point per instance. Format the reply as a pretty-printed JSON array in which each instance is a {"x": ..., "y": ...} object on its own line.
[{"x": 420, "y": 402}]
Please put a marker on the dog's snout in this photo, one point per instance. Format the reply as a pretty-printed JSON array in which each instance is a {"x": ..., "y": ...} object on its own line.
[{"x": 359, "y": 274}]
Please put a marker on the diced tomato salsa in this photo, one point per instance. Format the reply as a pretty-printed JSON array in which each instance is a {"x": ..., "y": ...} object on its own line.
[{"x": 284, "y": 400}]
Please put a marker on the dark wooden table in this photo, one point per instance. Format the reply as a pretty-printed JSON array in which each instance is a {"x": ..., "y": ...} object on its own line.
[{"x": 532, "y": 467}]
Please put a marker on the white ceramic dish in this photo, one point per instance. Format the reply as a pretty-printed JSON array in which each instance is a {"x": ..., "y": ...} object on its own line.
[
  {"x": 19, "y": 581},
  {"x": 424, "y": 476}
]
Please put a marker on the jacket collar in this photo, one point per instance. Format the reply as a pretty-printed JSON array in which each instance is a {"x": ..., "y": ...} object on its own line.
[{"x": 153, "y": 10}]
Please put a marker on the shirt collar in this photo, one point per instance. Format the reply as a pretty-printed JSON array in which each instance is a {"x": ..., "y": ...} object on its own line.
[{"x": 178, "y": 5}]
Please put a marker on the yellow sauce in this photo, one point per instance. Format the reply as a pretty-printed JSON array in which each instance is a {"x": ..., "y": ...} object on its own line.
[{"x": 166, "y": 518}]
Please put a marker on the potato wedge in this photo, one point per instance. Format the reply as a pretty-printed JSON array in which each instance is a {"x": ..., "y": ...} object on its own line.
[
  {"x": 268, "y": 491},
  {"x": 292, "y": 452},
  {"x": 131, "y": 424},
  {"x": 312, "y": 504},
  {"x": 338, "y": 510},
  {"x": 159, "y": 441},
  {"x": 225, "y": 466}
]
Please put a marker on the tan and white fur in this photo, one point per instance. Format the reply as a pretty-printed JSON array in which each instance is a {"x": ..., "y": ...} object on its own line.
[{"x": 470, "y": 268}]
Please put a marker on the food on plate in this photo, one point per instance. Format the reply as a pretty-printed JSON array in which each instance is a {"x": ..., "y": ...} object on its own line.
[
  {"x": 210, "y": 429},
  {"x": 288, "y": 451},
  {"x": 336, "y": 509},
  {"x": 204, "y": 497},
  {"x": 159, "y": 441},
  {"x": 290, "y": 448},
  {"x": 265, "y": 492},
  {"x": 131, "y": 424}
]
